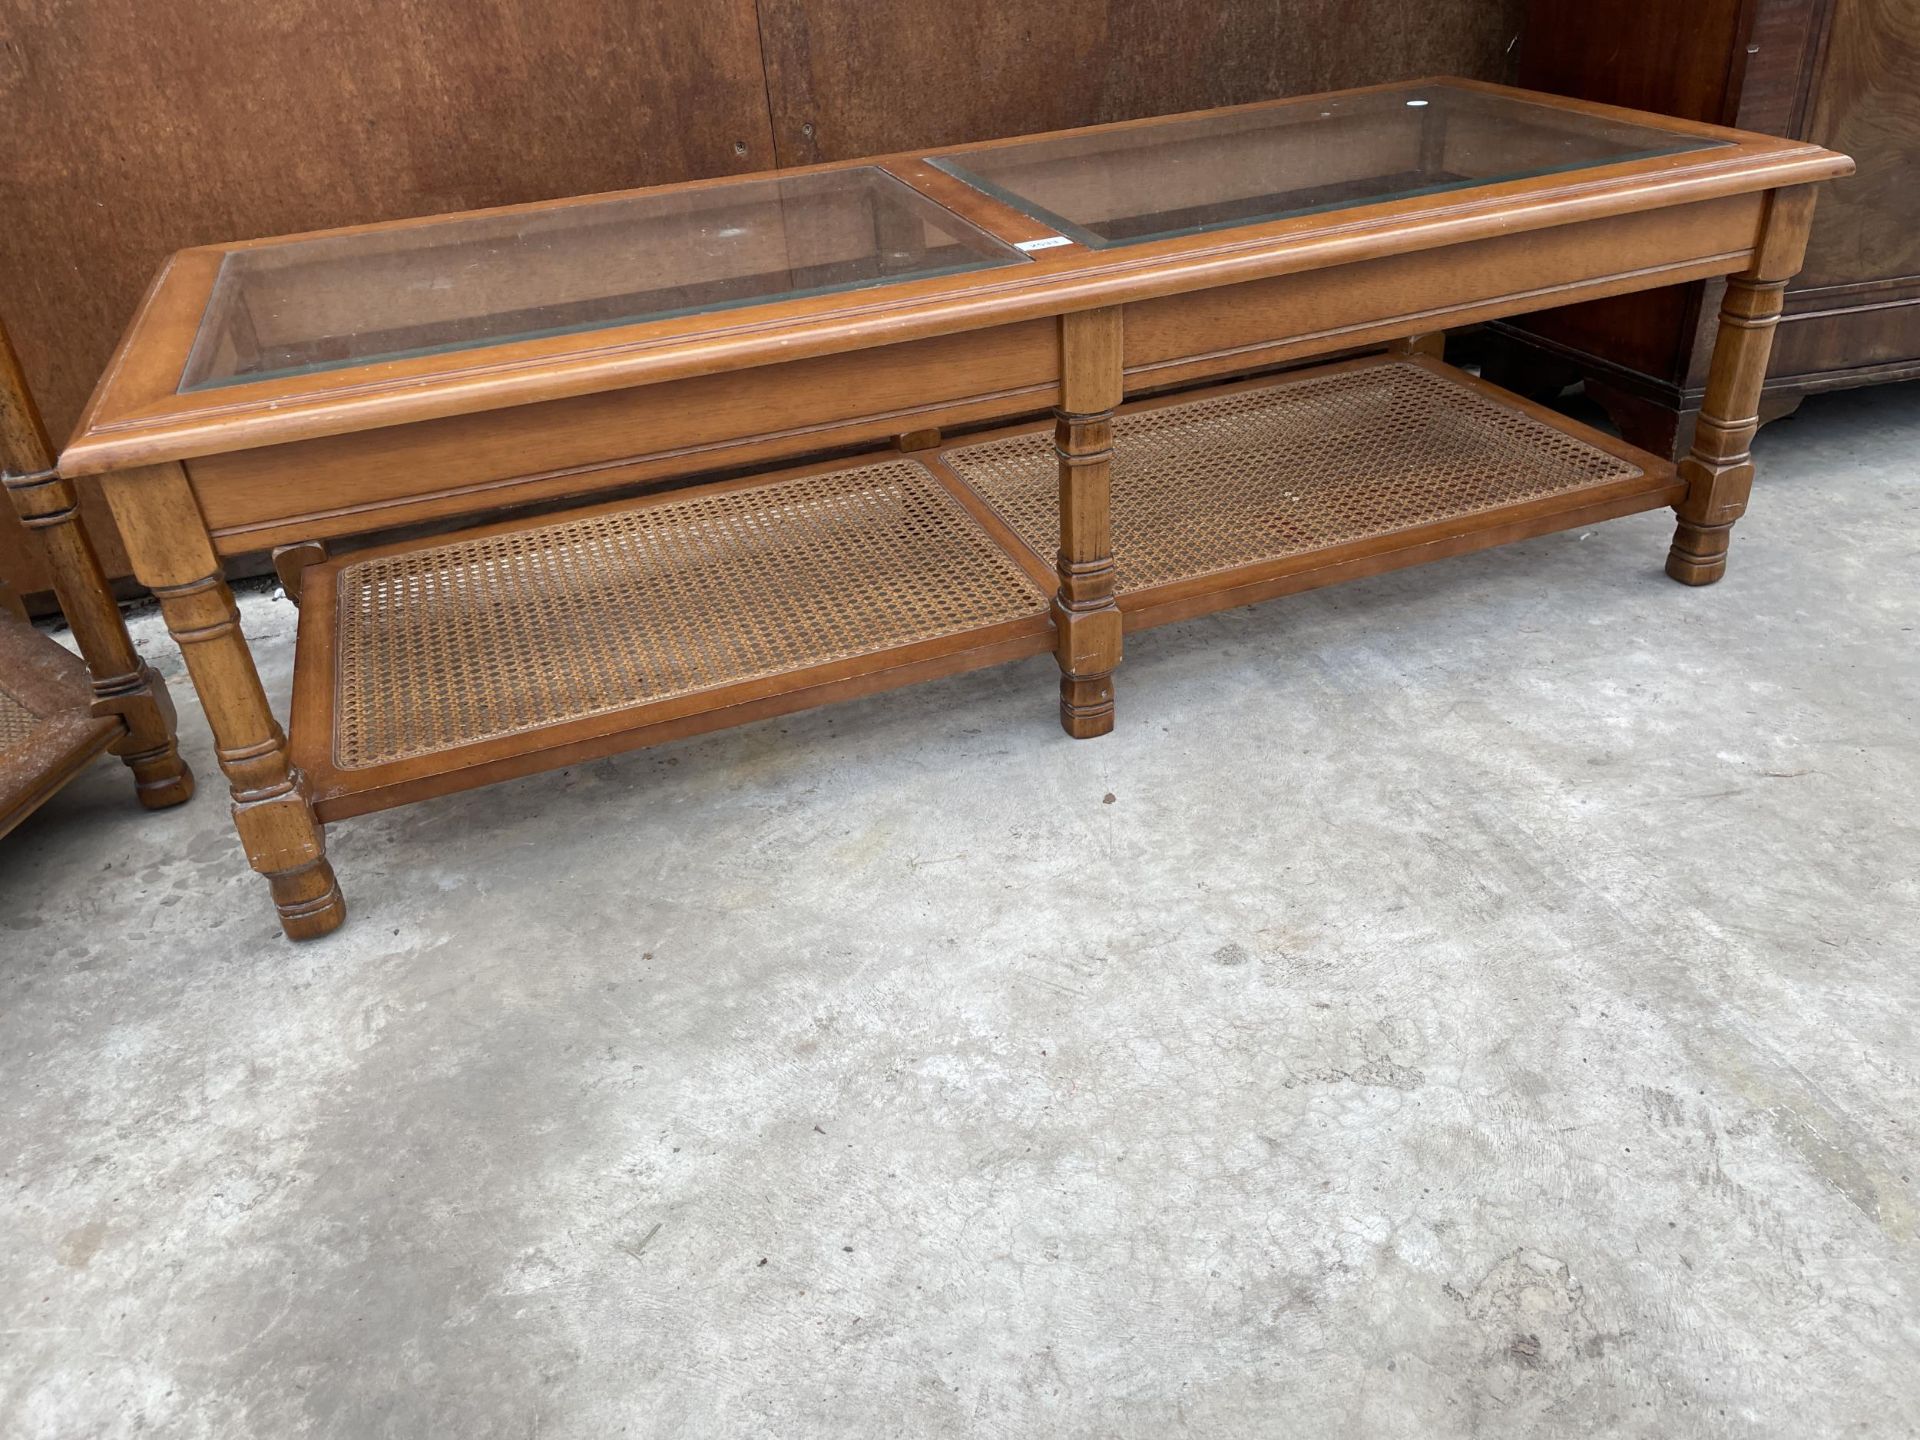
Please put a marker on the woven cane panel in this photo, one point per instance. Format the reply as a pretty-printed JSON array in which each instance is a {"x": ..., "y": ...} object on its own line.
[
  {"x": 16, "y": 722},
  {"x": 494, "y": 635},
  {"x": 1266, "y": 473}
]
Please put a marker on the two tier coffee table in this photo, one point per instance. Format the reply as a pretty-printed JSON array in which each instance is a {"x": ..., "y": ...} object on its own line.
[{"x": 883, "y": 421}]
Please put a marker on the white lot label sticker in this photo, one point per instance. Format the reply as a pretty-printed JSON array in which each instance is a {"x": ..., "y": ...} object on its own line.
[{"x": 1045, "y": 242}]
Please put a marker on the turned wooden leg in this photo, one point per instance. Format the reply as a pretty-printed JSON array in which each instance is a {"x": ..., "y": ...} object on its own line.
[
  {"x": 1087, "y": 629},
  {"x": 123, "y": 684},
  {"x": 1719, "y": 468},
  {"x": 174, "y": 558}
]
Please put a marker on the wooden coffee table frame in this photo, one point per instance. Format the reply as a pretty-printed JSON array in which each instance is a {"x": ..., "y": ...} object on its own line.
[{"x": 296, "y": 462}]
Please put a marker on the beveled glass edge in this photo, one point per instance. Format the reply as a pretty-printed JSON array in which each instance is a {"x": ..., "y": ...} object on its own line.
[
  {"x": 964, "y": 228},
  {"x": 1095, "y": 241},
  {"x": 255, "y": 377},
  {"x": 949, "y": 164}
]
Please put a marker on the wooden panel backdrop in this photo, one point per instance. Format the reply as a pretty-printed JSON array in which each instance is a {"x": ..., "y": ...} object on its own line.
[
  {"x": 134, "y": 128},
  {"x": 846, "y": 81},
  {"x": 1838, "y": 72}
]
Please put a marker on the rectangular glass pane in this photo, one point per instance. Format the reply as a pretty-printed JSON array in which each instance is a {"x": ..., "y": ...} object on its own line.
[
  {"x": 1183, "y": 176},
  {"x": 342, "y": 300}
]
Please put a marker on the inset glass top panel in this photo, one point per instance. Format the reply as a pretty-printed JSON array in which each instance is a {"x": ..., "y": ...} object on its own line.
[
  {"x": 1184, "y": 176},
  {"x": 334, "y": 301}
]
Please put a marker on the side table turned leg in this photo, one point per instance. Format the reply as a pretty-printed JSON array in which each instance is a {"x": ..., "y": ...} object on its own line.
[
  {"x": 173, "y": 557},
  {"x": 123, "y": 683},
  {"x": 1087, "y": 626},
  {"x": 1719, "y": 469}
]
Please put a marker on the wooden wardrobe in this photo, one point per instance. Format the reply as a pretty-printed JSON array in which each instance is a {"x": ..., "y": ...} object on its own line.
[{"x": 1843, "y": 73}]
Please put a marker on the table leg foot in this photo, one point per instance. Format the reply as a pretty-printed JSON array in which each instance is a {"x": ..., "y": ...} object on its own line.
[
  {"x": 1699, "y": 553},
  {"x": 1087, "y": 646},
  {"x": 308, "y": 900},
  {"x": 150, "y": 748},
  {"x": 161, "y": 779},
  {"x": 1086, "y": 706},
  {"x": 285, "y": 842}
]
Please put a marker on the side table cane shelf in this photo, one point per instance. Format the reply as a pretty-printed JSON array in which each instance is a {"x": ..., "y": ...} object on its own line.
[
  {"x": 48, "y": 731},
  {"x": 1149, "y": 283}
]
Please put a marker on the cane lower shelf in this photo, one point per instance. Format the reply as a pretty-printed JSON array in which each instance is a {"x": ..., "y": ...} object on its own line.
[
  {"x": 1248, "y": 484},
  {"x": 519, "y": 647}
]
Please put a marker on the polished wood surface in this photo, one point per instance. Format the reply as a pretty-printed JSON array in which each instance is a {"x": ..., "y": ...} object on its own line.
[
  {"x": 1382, "y": 298},
  {"x": 1730, "y": 62},
  {"x": 372, "y": 480},
  {"x": 309, "y": 458}
]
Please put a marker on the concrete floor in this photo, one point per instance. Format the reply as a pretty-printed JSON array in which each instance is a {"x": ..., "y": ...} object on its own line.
[{"x": 1477, "y": 1001}]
